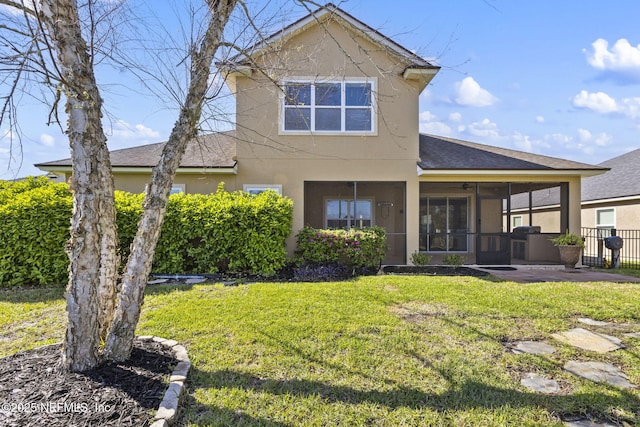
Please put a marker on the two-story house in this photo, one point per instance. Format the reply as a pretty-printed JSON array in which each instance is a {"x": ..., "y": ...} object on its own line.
[{"x": 327, "y": 114}]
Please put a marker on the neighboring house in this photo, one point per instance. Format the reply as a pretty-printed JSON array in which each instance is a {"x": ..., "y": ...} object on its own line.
[
  {"x": 612, "y": 200},
  {"x": 338, "y": 134},
  {"x": 609, "y": 200}
]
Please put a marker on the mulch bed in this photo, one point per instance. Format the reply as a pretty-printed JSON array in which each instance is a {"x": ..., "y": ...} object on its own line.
[
  {"x": 434, "y": 270},
  {"x": 34, "y": 391}
]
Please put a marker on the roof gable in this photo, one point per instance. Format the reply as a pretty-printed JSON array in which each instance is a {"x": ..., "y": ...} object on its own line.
[{"x": 416, "y": 68}]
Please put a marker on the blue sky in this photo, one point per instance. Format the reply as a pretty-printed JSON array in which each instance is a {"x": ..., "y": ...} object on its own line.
[{"x": 560, "y": 78}]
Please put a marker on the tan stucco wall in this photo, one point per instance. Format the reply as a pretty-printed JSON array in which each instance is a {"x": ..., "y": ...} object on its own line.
[
  {"x": 267, "y": 156},
  {"x": 194, "y": 183}
]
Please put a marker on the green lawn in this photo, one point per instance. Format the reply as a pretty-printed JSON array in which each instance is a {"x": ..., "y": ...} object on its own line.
[{"x": 377, "y": 351}]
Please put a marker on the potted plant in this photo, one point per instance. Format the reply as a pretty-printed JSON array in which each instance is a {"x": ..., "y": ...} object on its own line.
[{"x": 570, "y": 246}]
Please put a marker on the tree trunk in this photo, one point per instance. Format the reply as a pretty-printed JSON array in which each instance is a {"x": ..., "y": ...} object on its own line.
[
  {"x": 91, "y": 248},
  {"x": 122, "y": 332}
]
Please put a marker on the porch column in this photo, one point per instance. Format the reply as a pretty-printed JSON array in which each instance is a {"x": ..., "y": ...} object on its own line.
[
  {"x": 412, "y": 212},
  {"x": 575, "y": 206}
]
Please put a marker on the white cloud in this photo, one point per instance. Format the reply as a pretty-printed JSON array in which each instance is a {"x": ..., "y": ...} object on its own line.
[
  {"x": 602, "y": 103},
  {"x": 429, "y": 123},
  {"x": 124, "y": 131},
  {"x": 455, "y": 117},
  {"x": 599, "y": 102},
  {"x": 427, "y": 116},
  {"x": 523, "y": 142},
  {"x": 539, "y": 119},
  {"x": 47, "y": 140},
  {"x": 485, "y": 129},
  {"x": 436, "y": 128},
  {"x": 631, "y": 107},
  {"x": 601, "y": 139},
  {"x": 622, "y": 58},
  {"x": 469, "y": 93}
]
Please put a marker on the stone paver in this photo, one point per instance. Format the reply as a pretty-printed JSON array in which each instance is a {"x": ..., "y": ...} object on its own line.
[
  {"x": 540, "y": 384},
  {"x": 552, "y": 273},
  {"x": 587, "y": 423},
  {"x": 632, "y": 335},
  {"x": 599, "y": 372},
  {"x": 591, "y": 322},
  {"x": 587, "y": 340},
  {"x": 532, "y": 347}
]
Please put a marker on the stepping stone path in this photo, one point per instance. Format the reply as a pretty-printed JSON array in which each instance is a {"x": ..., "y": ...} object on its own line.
[
  {"x": 587, "y": 423},
  {"x": 532, "y": 347},
  {"x": 588, "y": 340},
  {"x": 540, "y": 384},
  {"x": 599, "y": 372},
  {"x": 593, "y": 371}
]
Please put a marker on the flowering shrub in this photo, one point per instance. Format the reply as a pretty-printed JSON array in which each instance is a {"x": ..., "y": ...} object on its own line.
[{"x": 356, "y": 248}]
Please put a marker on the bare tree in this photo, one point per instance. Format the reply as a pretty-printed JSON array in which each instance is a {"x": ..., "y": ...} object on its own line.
[
  {"x": 53, "y": 46},
  {"x": 54, "y": 43}
]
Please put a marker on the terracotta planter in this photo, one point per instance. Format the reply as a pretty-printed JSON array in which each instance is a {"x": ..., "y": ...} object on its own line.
[{"x": 569, "y": 255}]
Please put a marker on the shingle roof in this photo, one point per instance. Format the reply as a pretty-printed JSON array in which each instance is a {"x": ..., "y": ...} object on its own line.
[
  {"x": 438, "y": 152},
  {"x": 216, "y": 150},
  {"x": 623, "y": 180}
]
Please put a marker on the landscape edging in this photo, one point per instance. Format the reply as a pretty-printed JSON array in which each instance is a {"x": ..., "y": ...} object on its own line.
[{"x": 168, "y": 408}]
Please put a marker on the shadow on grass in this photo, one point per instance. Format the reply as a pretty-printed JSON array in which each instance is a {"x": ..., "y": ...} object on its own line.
[
  {"x": 193, "y": 412},
  {"x": 32, "y": 294},
  {"x": 470, "y": 394}
]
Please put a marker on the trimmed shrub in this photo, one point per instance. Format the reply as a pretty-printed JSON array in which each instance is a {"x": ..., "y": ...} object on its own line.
[
  {"x": 420, "y": 258},
  {"x": 203, "y": 234},
  {"x": 34, "y": 228},
  {"x": 357, "y": 248},
  {"x": 224, "y": 231},
  {"x": 128, "y": 211},
  {"x": 454, "y": 260}
]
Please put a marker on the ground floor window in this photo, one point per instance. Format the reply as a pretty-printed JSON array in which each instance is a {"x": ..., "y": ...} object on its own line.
[
  {"x": 516, "y": 221},
  {"x": 605, "y": 221},
  {"x": 344, "y": 213},
  {"x": 444, "y": 224}
]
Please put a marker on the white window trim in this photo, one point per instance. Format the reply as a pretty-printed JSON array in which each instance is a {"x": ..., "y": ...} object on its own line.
[
  {"x": 258, "y": 188},
  {"x": 311, "y": 80},
  {"x": 598, "y": 210},
  {"x": 514, "y": 217},
  {"x": 178, "y": 188}
]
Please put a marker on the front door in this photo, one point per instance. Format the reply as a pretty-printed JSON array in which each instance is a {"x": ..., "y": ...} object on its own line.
[{"x": 492, "y": 243}]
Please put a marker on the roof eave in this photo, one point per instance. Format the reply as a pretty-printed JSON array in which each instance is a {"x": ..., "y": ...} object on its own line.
[
  {"x": 425, "y": 75},
  {"x": 510, "y": 172},
  {"x": 225, "y": 170},
  {"x": 611, "y": 200}
]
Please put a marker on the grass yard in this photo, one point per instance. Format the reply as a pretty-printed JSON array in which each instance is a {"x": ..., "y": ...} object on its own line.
[{"x": 377, "y": 351}]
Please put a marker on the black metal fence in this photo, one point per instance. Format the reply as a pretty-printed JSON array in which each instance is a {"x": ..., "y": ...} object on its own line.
[{"x": 597, "y": 255}]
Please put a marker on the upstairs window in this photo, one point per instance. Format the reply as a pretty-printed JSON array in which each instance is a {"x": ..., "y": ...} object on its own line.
[{"x": 344, "y": 106}]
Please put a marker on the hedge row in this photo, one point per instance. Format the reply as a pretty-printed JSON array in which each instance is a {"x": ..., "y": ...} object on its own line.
[
  {"x": 34, "y": 227},
  {"x": 225, "y": 232},
  {"x": 203, "y": 234},
  {"x": 356, "y": 248}
]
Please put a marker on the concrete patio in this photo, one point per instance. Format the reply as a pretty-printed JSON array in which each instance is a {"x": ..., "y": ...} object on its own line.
[{"x": 553, "y": 273}]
